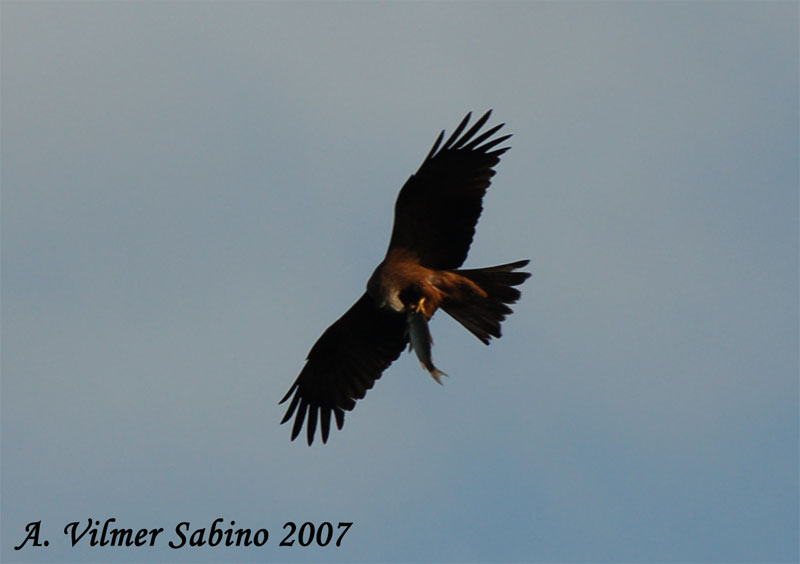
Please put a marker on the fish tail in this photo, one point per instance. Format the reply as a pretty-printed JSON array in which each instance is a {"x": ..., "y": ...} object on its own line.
[{"x": 420, "y": 340}]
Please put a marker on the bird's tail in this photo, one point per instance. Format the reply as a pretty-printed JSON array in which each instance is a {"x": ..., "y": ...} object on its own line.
[{"x": 481, "y": 314}]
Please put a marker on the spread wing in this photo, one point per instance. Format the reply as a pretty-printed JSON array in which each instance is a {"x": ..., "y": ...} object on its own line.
[
  {"x": 343, "y": 364},
  {"x": 438, "y": 207}
]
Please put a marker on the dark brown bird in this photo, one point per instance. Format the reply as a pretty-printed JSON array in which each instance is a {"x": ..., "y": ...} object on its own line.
[{"x": 434, "y": 222}]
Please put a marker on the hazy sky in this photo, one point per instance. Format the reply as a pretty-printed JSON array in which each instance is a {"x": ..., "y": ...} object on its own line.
[{"x": 193, "y": 192}]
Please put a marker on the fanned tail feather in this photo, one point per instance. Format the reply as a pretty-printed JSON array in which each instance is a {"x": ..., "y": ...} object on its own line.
[{"x": 481, "y": 315}]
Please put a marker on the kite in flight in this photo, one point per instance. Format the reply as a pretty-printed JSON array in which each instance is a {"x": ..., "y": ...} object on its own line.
[{"x": 434, "y": 222}]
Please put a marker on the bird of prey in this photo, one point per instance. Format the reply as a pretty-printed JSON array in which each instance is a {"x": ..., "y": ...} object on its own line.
[{"x": 434, "y": 221}]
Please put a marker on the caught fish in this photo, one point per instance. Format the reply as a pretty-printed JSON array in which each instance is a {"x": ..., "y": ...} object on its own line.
[{"x": 419, "y": 337}]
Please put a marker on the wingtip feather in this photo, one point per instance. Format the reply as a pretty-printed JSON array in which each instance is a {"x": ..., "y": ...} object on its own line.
[
  {"x": 301, "y": 416},
  {"x": 290, "y": 409},
  {"x": 311, "y": 425},
  {"x": 457, "y": 131},
  {"x": 325, "y": 423},
  {"x": 472, "y": 130},
  {"x": 493, "y": 143},
  {"x": 435, "y": 145},
  {"x": 289, "y": 393}
]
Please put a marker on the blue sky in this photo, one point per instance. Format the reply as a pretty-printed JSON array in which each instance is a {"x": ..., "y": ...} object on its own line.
[{"x": 192, "y": 192}]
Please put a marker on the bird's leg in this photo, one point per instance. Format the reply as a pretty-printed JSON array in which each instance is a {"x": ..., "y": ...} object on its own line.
[{"x": 420, "y": 307}]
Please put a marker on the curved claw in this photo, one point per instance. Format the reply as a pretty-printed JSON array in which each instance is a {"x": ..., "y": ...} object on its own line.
[{"x": 419, "y": 307}]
